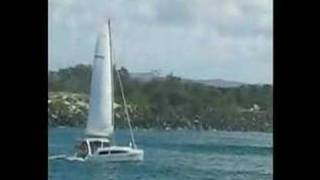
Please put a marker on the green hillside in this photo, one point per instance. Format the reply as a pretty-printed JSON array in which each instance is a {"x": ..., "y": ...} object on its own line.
[{"x": 168, "y": 102}]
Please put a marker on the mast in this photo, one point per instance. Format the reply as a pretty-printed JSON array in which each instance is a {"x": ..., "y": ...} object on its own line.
[{"x": 111, "y": 70}]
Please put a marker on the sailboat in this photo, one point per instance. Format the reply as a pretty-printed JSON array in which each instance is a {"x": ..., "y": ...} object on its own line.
[{"x": 98, "y": 142}]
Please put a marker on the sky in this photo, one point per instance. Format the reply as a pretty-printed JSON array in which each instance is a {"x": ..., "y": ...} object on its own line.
[{"x": 196, "y": 39}]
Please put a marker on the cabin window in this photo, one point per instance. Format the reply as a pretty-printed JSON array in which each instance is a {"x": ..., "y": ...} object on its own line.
[
  {"x": 117, "y": 152},
  {"x": 112, "y": 152},
  {"x": 94, "y": 146},
  {"x": 104, "y": 152},
  {"x": 105, "y": 144}
]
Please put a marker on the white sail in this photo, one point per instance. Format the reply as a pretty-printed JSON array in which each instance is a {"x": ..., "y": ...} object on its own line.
[{"x": 100, "y": 119}]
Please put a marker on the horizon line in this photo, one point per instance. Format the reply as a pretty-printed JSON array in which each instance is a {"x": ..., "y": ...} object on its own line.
[{"x": 164, "y": 75}]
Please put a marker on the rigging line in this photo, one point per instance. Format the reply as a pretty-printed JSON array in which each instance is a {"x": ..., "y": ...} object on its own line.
[
  {"x": 112, "y": 55},
  {"x": 126, "y": 109}
]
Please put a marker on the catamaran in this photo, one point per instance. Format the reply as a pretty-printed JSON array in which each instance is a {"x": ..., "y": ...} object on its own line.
[{"x": 98, "y": 142}]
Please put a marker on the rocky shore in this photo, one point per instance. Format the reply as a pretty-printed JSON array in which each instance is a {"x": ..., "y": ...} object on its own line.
[{"x": 71, "y": 109}]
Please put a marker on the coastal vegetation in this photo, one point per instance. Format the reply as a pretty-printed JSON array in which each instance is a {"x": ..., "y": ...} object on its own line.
[{"x": 167, "y": 102}]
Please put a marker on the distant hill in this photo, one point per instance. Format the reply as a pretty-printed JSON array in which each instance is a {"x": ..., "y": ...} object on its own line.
[
  {"x": 144, "y": 76},
  {"x": 221, "y": 83},
  {"x": 148, "y": 76}
]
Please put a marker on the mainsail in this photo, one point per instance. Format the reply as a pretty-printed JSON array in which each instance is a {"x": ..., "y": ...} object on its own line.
[{"x": 100, "y": 119}]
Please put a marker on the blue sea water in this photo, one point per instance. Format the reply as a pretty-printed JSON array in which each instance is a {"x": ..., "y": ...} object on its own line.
[{"x": 176, "y": 155}]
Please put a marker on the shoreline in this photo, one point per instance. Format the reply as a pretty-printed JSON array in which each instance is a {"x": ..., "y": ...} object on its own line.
[{"x": 170, "y": 130}]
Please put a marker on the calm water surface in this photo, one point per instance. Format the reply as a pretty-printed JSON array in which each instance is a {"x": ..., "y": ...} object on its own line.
[{"x": 175, "y": 155}]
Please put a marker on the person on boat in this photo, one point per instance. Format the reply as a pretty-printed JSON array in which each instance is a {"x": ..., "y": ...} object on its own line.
[{"x": 83, "y": 150}]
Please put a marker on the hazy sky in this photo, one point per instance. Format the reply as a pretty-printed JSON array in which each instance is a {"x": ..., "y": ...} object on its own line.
[{"x": 198, "y": 39}]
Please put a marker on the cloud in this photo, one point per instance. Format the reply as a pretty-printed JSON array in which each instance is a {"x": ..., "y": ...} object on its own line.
[{"x": 170, "y": 35}]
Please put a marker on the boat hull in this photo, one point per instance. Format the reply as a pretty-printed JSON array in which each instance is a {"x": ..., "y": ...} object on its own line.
[{"x": 127, "y": 154}]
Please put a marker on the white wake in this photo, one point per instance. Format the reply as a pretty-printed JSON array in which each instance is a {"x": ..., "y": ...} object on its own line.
[{"x": 65, "y": 157}]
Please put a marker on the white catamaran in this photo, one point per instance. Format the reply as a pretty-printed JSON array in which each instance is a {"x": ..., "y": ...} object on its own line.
[{"x": 98, "y": 144}]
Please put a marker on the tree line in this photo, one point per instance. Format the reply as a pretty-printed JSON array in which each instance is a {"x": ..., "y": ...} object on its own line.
[{"x": 170, "y": 102}]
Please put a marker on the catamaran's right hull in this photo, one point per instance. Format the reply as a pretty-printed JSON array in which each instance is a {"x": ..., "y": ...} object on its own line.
[{"x": 132, "y": 155}]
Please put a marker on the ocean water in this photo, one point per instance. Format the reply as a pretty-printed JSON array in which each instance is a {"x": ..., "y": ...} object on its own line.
[{"x": 176, "y": 155}]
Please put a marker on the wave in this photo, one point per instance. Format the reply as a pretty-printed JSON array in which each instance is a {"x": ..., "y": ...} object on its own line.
[
  {"x": 65, "y": 157},
  {"x": 217, "y": 148}
]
